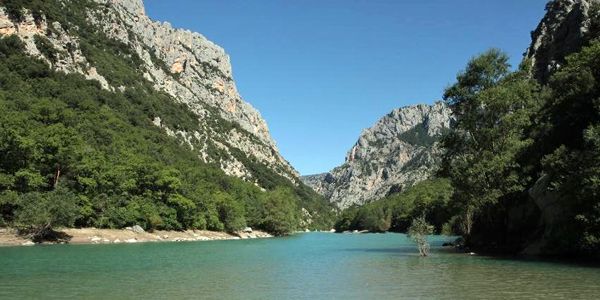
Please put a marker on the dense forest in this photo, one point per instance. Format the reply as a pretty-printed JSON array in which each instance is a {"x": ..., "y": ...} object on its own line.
[
  {"x": 517, "y": 141},
  {"x": 521, "y": 169},
  {"x": 74, "y": 154},
  {"x": 396, "y": 211}
]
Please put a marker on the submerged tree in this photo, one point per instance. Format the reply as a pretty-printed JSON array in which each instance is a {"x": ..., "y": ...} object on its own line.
[{"x": 418, "y": 231}]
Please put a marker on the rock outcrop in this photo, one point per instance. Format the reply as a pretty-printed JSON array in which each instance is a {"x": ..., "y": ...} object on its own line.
[
  {"x": 562, "y": 31},
  {"x": 183, "y": 64},
  {"x": 400, "y": 150}
]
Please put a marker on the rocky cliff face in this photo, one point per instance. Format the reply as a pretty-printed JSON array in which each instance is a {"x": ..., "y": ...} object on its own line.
[
  {"x": 400, "y": 150},
  {"x": 180, "y": 63},
  {"x": 562, "y": 31}
]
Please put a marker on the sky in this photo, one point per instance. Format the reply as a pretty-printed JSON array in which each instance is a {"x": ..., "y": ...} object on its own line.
[{"x": 321, "y": 71}]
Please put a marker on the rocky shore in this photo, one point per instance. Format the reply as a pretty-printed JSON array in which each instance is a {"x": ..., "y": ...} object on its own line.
[{"x": 10, "y": 237}]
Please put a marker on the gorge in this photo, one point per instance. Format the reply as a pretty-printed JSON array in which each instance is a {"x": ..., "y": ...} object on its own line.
[
  {"x": 134, "y": 168},
  {"x": 113, "y": 121}
]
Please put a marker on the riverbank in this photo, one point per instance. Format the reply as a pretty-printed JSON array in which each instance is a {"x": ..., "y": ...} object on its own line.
[{"x": 10, "y": 237}]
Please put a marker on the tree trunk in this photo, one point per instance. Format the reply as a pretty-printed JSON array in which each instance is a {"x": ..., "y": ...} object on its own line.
[
  {"x": 468, "y": 221},
  {"x": 56, "y": 177}
]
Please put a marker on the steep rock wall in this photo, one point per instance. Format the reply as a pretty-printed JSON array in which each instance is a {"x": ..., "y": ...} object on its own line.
[{"x": 400, "y": 150}]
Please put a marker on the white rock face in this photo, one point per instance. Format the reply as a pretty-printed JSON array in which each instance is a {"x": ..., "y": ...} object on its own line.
[
  {"x": 561, "y": 32},
  {"x": 400, "y": 150},
  {"x": 183, "y": 64},
  {"x": 203, "y": 68},
  {"x": 137, "y": 229}
]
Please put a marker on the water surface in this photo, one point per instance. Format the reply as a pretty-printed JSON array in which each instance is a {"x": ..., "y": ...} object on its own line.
[{"x": 303, "y": 266}]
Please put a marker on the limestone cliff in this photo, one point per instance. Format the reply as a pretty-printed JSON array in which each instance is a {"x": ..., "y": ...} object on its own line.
[
  {"x": 183, "y": 64},
  {"x": 563, "y": 30},
  {"x": 400, "y": 150}
]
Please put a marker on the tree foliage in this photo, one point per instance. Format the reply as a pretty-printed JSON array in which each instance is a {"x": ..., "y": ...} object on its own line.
[
  {"x": 569, "y": 144},
  {"x": 495, "y": 109},
  {"x": 280, "y": 214},
  {"x": 38, "y": 213},
  {"x": 418, "y": 231},
  {"x": 396, "y": 212},
  {"x": 510, "y": 131}
]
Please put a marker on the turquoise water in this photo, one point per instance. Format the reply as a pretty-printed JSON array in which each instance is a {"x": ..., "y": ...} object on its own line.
[{"x": 303, "y": 266}]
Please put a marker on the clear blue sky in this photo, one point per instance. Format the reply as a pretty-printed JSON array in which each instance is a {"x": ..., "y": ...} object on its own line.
[{"x": 320, "y": 71}]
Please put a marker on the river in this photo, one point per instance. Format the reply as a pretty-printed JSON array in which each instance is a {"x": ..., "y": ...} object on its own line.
[{"x": 302, "y": 266}]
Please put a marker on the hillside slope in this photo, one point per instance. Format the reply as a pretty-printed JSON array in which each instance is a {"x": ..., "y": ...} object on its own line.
[
  {"x": 179, "y": 63},
  {"x": 129, "y": 121}
]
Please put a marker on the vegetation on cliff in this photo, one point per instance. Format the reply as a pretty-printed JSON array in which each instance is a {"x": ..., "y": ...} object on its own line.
[
  {"x": 75, "y": 154},
  {"x": 510, "y": 133},
  {"x": 396, "y": 212}
]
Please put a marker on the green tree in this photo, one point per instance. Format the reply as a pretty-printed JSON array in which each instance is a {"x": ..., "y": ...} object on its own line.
[
  {"x": 493, "y": 110},
  {"x": 374, "y": 219},
  {"x": 40, "y": 213},
  {"x": 281, "y": 215},
  {"x": 569, "y": 145},
  {"x": 231, "y": 213},
  {"x": 347, "y": 220},
  {"x": 418, "y": 231}
]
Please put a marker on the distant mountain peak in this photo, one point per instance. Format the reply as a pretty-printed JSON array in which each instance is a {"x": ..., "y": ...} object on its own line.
[{"x": 398, "y": 151}]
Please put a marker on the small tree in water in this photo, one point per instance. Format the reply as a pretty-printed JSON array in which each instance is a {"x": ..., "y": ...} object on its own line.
[{"x": 418, "y": 231}]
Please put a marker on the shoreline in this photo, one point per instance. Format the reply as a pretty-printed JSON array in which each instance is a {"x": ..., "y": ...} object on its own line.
[{"x": 80, "y": 236}]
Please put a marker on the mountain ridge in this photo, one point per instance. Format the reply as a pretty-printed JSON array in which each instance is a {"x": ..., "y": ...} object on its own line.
[
  {"x": 185, "y": 65},
  {"x": 399, "y": 150}
]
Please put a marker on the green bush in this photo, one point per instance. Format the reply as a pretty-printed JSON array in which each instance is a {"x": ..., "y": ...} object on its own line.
[
  {"x": 46, "y": 48},
  {"x": 418, "y": 231},
  {"x": 231, "y": 213},
  {"x": 40, "y": 213},
  {"x": 510, "y": 133},
  {"x": 280, "y": 215}
]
